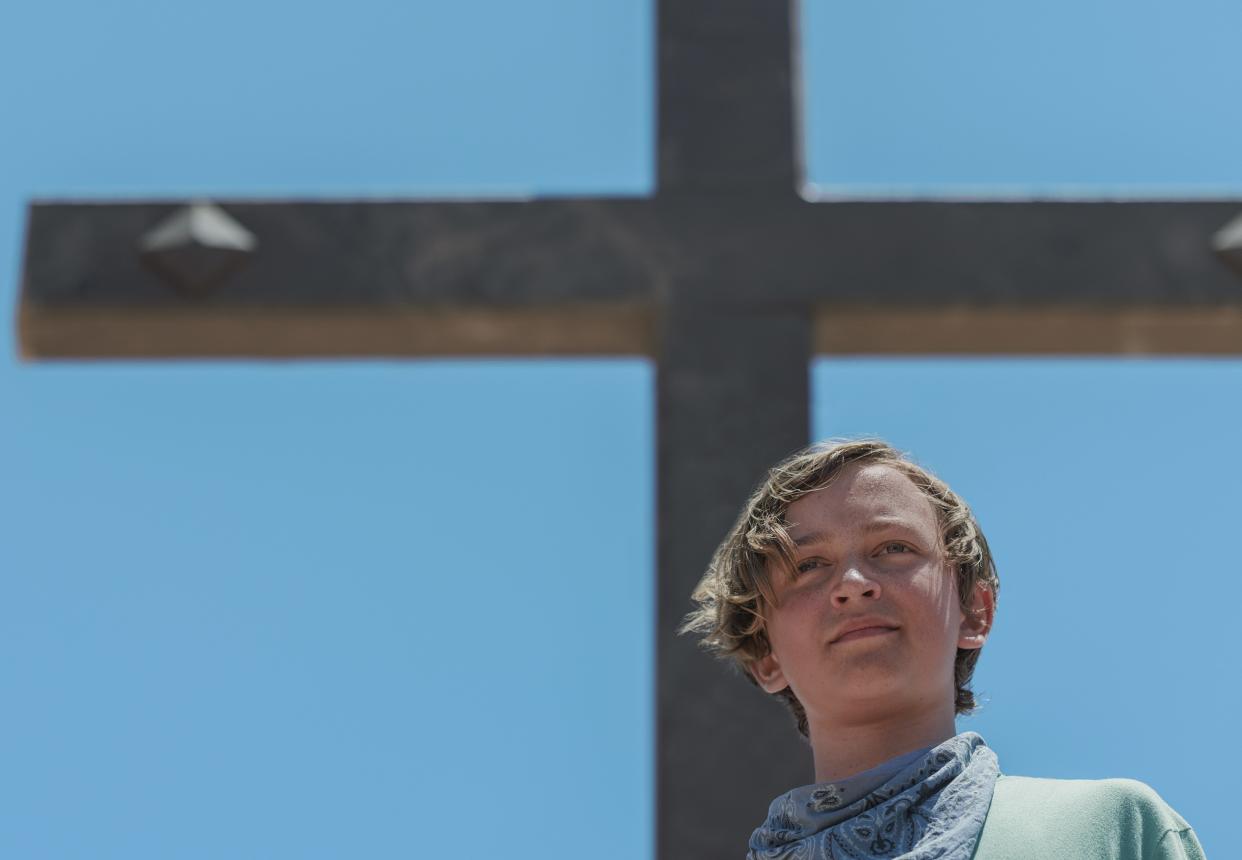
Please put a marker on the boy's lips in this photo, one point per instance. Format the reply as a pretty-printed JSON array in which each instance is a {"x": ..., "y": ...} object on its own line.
[{"x": 861, "y": 628}]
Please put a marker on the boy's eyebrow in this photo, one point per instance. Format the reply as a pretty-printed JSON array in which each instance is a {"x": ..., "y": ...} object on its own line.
[{"x": 872, "y": 526}]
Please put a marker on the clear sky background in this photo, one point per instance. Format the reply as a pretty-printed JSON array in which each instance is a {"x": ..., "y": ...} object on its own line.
[{"x": 397, "y": 609}]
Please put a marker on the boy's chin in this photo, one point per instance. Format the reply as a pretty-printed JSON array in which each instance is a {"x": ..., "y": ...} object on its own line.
[{"x": 877, "y": 697}]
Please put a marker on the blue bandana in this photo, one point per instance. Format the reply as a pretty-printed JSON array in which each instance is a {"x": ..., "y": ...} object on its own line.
[{"x": 931, "y": 808}]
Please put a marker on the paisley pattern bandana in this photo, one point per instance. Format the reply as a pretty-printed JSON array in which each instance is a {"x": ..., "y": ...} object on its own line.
[{"x": 931, "y": 809}]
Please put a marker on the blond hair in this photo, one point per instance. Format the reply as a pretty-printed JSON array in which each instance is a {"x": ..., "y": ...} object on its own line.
[{"x": 731, "y": 597}]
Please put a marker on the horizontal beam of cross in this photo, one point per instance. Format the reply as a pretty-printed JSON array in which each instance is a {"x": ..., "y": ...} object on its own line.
[{"x": 591, "y": 276}]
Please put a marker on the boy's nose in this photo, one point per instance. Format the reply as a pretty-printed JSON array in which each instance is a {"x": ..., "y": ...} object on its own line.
[{"x": 854, "y": 584}]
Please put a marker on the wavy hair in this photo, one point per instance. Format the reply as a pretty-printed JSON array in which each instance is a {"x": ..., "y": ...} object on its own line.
[{"x": 731, "y": 597}]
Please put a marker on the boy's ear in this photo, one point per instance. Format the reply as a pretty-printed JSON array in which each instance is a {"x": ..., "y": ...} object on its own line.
[
  {"x": 977, "y": 620},
  {"x": 767, "y": 671}
]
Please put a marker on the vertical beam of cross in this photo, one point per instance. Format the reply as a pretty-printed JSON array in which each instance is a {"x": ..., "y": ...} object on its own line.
[
  {"x": 727, "y": 115},
  {"x": 732, "y": 397}
]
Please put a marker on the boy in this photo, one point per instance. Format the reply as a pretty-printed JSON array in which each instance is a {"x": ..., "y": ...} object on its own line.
[{"x": 858, "y": 588}]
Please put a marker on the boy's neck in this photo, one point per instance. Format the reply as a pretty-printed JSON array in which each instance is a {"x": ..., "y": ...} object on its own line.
[{"x": 842, "y": 751}]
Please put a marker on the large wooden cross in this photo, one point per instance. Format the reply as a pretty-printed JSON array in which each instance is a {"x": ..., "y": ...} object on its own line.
[{"x": 727, "y": 278}]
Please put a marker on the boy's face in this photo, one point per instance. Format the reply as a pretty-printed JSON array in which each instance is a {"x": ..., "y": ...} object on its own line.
[{"x": 871, "y": 623}]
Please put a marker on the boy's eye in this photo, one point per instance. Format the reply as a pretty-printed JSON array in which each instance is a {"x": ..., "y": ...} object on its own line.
[{"x": 890, "y": 548}]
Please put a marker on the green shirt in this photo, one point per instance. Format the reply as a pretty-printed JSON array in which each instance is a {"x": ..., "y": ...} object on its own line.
[{"x": 1066, "y": 819}]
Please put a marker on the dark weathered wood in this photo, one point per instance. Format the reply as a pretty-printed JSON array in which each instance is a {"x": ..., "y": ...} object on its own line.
[
  {"x": 732, "y": 388},
  {"x": 375, "y": 255},
  {"x": 726, "y": 277},
  {"x": 754, "y": 250},
  {"x": 365, "y": 275},
  {"x": 728, "y": 119}
]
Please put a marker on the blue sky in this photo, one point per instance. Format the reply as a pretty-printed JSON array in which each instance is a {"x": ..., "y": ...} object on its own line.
[{"x": 337, "y": 609}]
